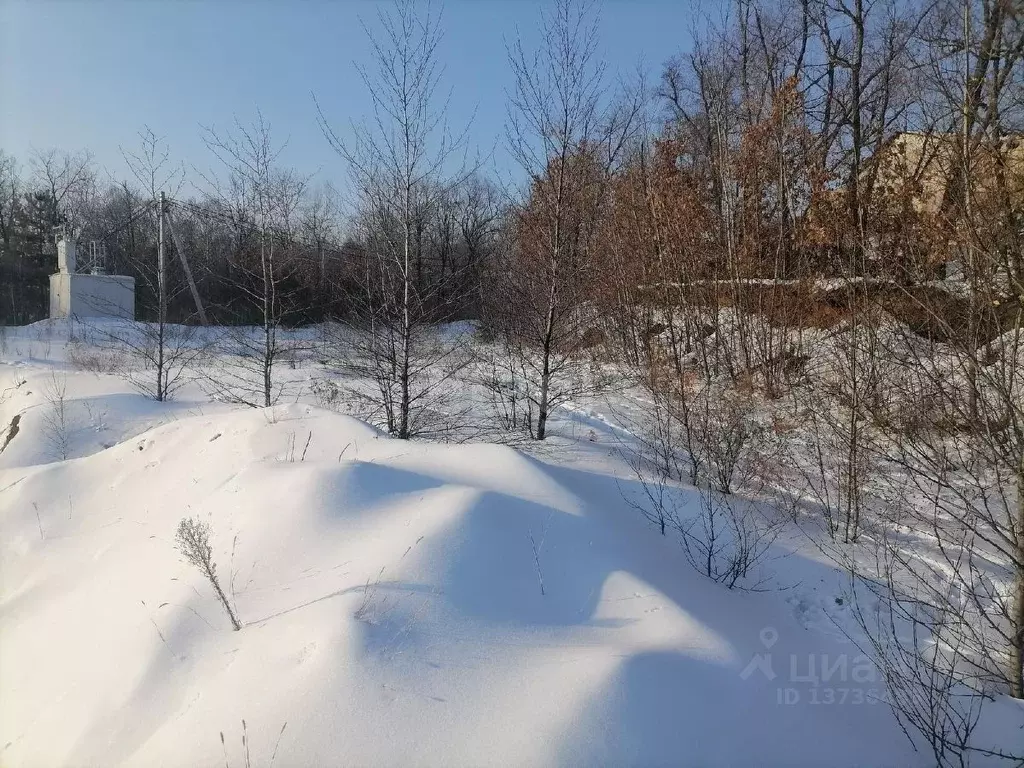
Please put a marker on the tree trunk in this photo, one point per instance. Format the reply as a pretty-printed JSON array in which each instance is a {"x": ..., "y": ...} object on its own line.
[
  {"x": 549, "y": 326},
  {"x": 403, "y": 426},
  {"x": 545, "y": 382},
  {"x": 1017, "y": 628},
  {"x": 268, "y": 331},
  {"x": 161, "y": 378}
]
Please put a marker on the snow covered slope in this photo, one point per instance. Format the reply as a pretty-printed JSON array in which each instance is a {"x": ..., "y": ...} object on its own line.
[{"x": 392, "y": 608}]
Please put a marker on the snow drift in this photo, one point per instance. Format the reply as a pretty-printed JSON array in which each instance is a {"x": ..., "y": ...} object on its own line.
[{"x": 391, "y": 596}]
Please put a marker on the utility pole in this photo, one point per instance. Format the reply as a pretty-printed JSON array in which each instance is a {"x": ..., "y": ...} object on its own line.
[{"x": 188, "y": 270}]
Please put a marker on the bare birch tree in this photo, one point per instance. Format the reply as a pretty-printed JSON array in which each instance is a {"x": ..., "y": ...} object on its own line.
[
  {"x": 264, "y": 200},
  {"x": 567, "y": 135},
  {"x": 403, "y": 162},
  {"x": 160, "y": 355}
]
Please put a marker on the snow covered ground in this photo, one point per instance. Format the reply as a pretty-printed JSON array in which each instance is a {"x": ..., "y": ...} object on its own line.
[{"x": 403, "y": 603}]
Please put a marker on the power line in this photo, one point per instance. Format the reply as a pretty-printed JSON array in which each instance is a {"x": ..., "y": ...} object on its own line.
[{"x": 132, "y": 216}]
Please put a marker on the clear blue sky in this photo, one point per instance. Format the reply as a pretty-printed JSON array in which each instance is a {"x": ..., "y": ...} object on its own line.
[{"x": 88, "y": 74}]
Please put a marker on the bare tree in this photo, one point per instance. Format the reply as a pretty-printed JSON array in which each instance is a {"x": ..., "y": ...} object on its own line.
[
  {"x": 846, "y": 390},
  {"x": 920, "y": 649},
  {"x": 10, "y": 200},
  {"x": 158, "y": 363},
  {"x": 479, "y": 221},
  {"x": 159, "y": 355},
  {"x": 56, "y": 422},
  {"x": 264, "y": 200},
  {"x": 401, "y": 164},
  {"x": 319, "y": 228},
  {"x": 725, "y": 537},
  {"x": 567, "y": 136},
  {"x": 961, "y": 451},
  {"x": 69, "y": 178},
  {"x": 10, "y": 191},
  {"x": 150, "y": 163}
]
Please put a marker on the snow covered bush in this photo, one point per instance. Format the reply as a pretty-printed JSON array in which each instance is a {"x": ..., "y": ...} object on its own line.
[
  {"x": 728, "y": 538},
  {"x": 326, "y": 393},
  {"x": 730, "y": 435},
  {"x": 85, "y": 357},
  {"x": 157, "y": 360}
]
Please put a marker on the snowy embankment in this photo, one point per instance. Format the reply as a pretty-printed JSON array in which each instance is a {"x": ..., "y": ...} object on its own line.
[{"x": 402, "y": 604}]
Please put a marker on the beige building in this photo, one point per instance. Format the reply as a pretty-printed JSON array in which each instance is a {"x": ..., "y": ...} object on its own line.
[{"x": 932, "y": 164}]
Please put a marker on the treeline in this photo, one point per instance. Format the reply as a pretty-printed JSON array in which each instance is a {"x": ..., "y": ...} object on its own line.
[
  {"x": 798, "y": 139},
  {"x": 320, "y": 254}
]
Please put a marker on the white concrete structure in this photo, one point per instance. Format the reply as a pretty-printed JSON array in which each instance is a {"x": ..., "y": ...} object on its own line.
[
  {"x": 67, "y": 258},
  {"x": 92, "y": 296},
  {"x": 74, "y": 295}
]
